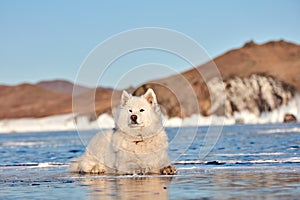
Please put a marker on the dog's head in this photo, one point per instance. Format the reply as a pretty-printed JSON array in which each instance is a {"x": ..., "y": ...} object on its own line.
[{"x": 139, "y": 115}]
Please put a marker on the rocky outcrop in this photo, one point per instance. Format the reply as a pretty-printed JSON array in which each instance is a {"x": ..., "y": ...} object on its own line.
[{"x": 257, "y": 94}]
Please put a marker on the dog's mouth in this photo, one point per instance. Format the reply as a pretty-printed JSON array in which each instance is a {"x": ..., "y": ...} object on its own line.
[{"x": 135, "y": 124}]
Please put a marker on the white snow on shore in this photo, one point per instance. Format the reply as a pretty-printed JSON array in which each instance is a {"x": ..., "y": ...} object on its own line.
[{"x": 67, "y": 122}]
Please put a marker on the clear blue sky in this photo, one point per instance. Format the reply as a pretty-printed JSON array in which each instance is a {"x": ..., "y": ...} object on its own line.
[{"x": 42, "y": 40}]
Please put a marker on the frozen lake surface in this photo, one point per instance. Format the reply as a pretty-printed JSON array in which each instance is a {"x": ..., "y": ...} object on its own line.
[{"x": 248, "y": 162}]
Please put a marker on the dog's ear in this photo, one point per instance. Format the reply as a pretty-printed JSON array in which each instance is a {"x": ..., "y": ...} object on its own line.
[
  {"x": 125, "y": 97},
  {"x": 150, "y": 96}
]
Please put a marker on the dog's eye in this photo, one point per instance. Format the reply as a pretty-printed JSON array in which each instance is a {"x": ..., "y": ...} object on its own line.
[
  {"x": 130, "y": 110},
  {"x": 142, "y": 110}
]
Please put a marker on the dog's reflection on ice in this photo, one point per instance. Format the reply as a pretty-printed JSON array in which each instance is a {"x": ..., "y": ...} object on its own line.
[{"x": 142, "y": 188}]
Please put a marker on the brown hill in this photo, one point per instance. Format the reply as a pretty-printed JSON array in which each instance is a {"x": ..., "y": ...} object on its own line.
[
  {"x": 28, "y": 100},
  {"x": 279, "y": 59},
  {"x": 62, "y": 86}
]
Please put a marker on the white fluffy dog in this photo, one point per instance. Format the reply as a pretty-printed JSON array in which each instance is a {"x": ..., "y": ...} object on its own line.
[{"x": 138, "y": 144}]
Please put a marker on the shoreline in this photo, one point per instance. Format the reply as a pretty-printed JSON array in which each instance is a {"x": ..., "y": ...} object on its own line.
[{"x": 67, "y": 122}]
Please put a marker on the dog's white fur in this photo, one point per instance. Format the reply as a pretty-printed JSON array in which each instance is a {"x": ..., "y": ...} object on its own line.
[{"x": 133, "y": 147}]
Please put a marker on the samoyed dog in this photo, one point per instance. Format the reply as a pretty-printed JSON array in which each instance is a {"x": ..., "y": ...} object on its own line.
[{"x": 137, "y": 145}]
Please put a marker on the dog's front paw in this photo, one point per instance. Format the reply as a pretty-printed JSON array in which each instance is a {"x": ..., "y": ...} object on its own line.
[
  {"x": 97, "y": 169},
  {"x": 141, "y": 171},
  {"x": 169, "y": 170}
]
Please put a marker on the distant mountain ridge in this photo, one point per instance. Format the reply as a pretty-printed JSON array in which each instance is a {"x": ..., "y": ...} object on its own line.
[
  {"x": 277, "y": 59},
  {"x": 28, "y": 100},
  {"x": 41, "y": 100},
  {"x": 62, "y": 86}
]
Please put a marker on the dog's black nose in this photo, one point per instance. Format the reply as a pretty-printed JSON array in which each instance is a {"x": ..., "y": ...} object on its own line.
[{"x": 133, "y": 118}]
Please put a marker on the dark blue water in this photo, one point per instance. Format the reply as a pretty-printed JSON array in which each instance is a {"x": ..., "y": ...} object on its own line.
[{"x": 247, "y": 162}]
